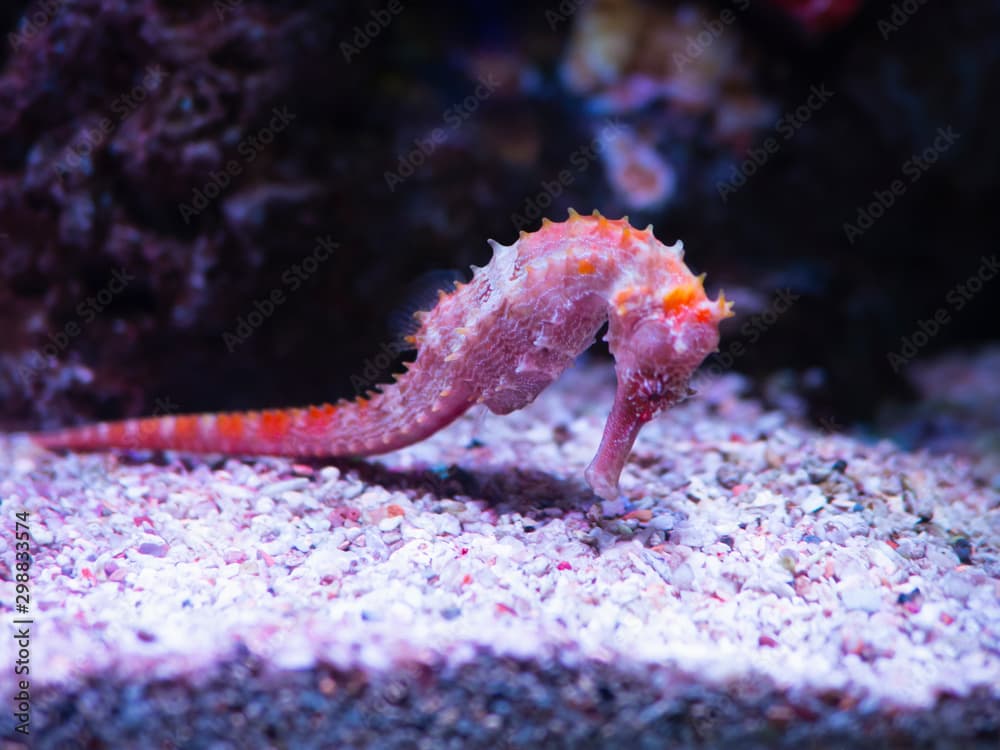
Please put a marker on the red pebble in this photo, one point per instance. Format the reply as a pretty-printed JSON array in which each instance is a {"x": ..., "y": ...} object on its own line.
[
  {"x": 766, "y": 640},
  {"x": 344, "y": 516},
  {"x": 563, "y": 565},
  {"x": 119, "y": 575},
  {"x": 642, "y": 514}
]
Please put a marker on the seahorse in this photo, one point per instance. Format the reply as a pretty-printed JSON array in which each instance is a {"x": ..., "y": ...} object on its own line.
[{"x": 497, "y": 340}]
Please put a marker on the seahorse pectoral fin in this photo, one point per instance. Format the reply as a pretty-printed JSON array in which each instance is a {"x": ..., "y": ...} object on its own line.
[
  {"x": 510, "y": 399},
  {"x": 517, "y": 392},
  {"x": 620, "y": 431}
]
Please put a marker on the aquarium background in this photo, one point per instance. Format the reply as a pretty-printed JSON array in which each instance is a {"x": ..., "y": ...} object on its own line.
[
  {"x": 202, "y": 149},
  {"x": 233, "y": 204}
]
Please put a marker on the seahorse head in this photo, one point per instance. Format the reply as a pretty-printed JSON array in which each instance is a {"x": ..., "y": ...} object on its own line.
[
  {"x": 657, "y": 351},
  {"x": 659, "y": 332}
]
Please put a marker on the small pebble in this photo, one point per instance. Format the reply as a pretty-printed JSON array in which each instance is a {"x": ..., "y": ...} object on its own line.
[
  {"x": 727, "y": 565},
  {"x": 813, "y": 502},
  {"x": 728, "y": 476},
  {"x": 287, "y": 485},
  {"x": 864, "y": 599},
  {"x": 963, "y": 550}
]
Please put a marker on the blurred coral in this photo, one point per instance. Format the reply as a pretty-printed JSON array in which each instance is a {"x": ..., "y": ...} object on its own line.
[
  {"x": 662, "y": 65},
  {"x": 636, "y": 171},
  {"x": 625, "y": 54},
  {"x": 114, "y": 117},
  {"x": 820, "y": 16}
]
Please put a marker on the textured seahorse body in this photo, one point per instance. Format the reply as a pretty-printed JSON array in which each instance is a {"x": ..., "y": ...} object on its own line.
[{"x": 498, "y": 340}]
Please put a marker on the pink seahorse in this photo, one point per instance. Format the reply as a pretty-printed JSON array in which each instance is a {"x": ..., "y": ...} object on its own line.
[{"x": 498, "y": 340}]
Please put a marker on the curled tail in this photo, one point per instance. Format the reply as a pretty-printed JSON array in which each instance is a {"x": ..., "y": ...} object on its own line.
[
  {"x": 401, "y": 415},
  {"x": 274, "y": 432}
]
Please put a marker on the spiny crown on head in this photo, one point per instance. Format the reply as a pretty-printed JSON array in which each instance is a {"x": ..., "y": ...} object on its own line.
[
  {"x": 662, "y": 324},
  {"x": 653, "y": 280},
  {"x": 657, "y": 274},
  {"x": 652, "y": 277}
]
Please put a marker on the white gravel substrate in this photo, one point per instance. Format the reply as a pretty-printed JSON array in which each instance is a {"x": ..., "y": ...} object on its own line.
[{"x": 853, "y": 580}]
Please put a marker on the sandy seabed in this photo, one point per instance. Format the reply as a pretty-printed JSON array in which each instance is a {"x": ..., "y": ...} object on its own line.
[{"x": 762, "y": 583}]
